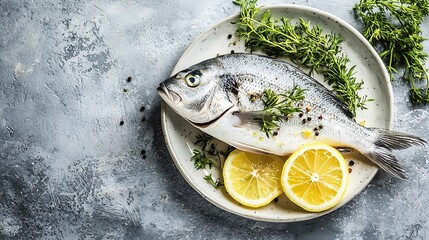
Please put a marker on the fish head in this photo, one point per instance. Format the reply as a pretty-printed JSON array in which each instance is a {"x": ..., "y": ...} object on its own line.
[{"x": 196, "y": 93}]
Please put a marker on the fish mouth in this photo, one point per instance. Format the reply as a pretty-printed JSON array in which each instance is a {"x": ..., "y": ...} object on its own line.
[{"x": 168, "y": 94}]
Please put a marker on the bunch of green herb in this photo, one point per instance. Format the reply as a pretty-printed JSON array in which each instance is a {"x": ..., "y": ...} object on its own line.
[
  {"x": 201, "y": 160},
  {"x": 209, "y": 156},
  {"x": 394, "y": 27},
  {"x": 277, "y": 107},
  {"x": 305, "y": 45}
]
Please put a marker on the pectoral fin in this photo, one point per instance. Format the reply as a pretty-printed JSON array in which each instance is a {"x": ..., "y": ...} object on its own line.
[{"x": 252, "y": 118}]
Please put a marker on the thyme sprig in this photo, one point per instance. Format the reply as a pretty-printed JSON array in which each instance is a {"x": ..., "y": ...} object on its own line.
[
  {"x": 204, "y": 140},
  {"x": 305, "y": 45},
  {"x": 215, "y": 183},
  {"x": 209, "y": 156},
  {"x": 278, "y": 107},
  {"x": 201, "y": 160},
  {"x": 393, "y": 26}
]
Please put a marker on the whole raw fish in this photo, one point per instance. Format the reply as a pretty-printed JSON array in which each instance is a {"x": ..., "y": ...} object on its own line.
[{"x": 221, "y": 96}]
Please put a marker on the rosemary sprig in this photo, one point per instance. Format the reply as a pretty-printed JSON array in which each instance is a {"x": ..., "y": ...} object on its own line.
[
  {"x": 393, "y": 26},
  {"x": 306, "y": 45},
  {"x": 278, "y": 107}
]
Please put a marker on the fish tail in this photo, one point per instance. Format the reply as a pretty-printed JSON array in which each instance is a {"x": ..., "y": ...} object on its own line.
[
  {"x": 396, "y": 140},
  {"x": 385, "y": 142}
]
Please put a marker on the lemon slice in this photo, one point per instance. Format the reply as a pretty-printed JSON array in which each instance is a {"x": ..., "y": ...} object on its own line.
[
  {"x": 253, "y": 179},
  {"x": 315, "y": 177}
]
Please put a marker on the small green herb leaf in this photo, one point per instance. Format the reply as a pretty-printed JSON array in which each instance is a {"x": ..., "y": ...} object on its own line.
[
  {"x": 393, "y": 26},
  {"x": 201, "y": 160},
  {"x": 203, "y": 140},
  {"x": 215, "y": 183},
  {"x": 209, "y": 156},
  {"x": 277, "y": 107},
  {"x": 305, "y": 45}
]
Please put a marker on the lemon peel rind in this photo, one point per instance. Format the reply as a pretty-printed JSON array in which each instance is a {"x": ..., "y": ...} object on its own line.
[
  {"x": 244, "y": 201},
  {"x": 341, "y": 192}
]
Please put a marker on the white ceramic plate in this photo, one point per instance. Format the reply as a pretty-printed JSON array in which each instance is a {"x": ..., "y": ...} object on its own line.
[{"x": 180, "y": 135}]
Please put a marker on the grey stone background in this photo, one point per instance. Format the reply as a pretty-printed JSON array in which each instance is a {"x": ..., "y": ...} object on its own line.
[{"x": 69, "y": 170}]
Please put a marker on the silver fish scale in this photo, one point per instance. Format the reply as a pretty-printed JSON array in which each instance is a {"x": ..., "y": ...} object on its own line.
[
  {"x": 322, "y": 114},
  {"x": 231, "y": 87}
]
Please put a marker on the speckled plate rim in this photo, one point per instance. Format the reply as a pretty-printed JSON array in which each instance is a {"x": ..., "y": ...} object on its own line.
[{"x": 321, "y": 13}]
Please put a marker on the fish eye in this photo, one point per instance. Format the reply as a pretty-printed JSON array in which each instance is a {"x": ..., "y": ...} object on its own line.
[{"x": 192, "y": 80}]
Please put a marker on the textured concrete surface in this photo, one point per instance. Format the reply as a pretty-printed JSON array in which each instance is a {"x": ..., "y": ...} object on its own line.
[{"x": 70, "y": 170}]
